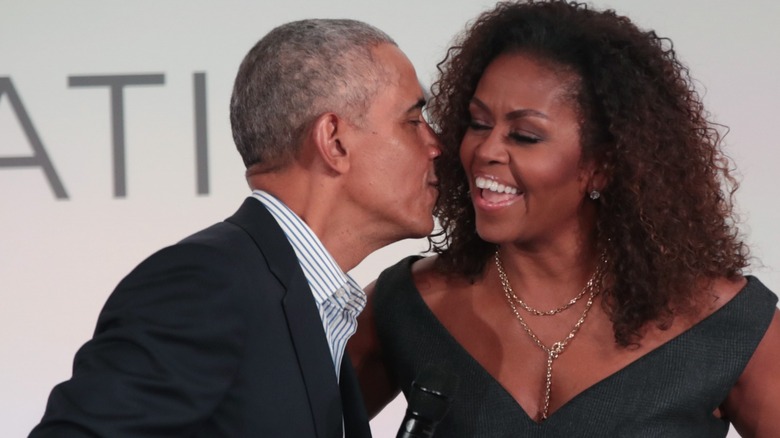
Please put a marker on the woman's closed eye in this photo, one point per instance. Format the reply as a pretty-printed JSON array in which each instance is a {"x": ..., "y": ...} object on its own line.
[{"x": 521, "y": 137}]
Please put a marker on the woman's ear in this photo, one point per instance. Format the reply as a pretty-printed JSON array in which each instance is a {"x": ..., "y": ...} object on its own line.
[
  {"x": 595, "y": 176},
  {"x": 598, "y": 178}
]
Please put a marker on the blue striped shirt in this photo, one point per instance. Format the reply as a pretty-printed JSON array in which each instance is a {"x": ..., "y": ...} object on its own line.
[{"x": 338, "y": 297}]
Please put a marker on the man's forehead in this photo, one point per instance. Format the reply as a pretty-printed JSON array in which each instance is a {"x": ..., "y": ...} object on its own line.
[
  {"x": 398, "y": 82},
  {"x": 393, "y": 63}
]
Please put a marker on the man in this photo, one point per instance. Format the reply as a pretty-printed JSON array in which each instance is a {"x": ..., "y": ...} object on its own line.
[{"x": 239, "y": 330}]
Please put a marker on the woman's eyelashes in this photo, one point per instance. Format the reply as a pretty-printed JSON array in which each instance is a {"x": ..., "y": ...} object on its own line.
[
  {"x": 513, "y": 136},
  {"x": 520, "y": 137}
]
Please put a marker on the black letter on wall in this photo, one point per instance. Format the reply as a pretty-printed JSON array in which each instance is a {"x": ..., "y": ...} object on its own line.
[
  {"x": 117, "y": 84},
  {"x": 40, "y": 157}
]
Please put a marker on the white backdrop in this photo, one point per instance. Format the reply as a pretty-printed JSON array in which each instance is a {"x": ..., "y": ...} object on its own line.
[{"x": 65, "y": 245}]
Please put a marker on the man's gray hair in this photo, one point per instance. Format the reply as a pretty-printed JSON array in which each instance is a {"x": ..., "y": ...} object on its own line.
[{"x": 297, "y": 72}]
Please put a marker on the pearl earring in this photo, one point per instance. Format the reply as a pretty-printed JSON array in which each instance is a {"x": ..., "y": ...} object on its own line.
[{"x": 594, "y": 195}]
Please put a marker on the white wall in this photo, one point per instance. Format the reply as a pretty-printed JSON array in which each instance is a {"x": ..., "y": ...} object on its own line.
[{"x": 60, "y": 258}]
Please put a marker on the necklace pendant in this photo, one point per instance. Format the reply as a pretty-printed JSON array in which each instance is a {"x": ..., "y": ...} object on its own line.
[{"x": 557, "y": 348}]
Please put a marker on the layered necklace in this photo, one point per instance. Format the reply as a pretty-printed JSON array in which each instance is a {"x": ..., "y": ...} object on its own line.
[{"x": 592, "y": 288}]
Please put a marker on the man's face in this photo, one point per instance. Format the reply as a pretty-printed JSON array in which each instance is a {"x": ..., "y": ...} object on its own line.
[{"x": 392, "y": 175}]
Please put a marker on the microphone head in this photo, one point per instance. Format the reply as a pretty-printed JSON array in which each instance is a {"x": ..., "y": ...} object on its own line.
[{"x": 431, "y": 393}]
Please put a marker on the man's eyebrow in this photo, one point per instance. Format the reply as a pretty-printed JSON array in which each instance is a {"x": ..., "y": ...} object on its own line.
[{"x": 417, "y": 105}]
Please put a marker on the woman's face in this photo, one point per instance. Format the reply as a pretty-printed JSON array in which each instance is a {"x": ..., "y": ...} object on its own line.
[{"x": 522, "y": 153}]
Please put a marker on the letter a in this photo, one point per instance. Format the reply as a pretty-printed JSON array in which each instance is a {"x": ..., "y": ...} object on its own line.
[{"x": 39, "y": 157}]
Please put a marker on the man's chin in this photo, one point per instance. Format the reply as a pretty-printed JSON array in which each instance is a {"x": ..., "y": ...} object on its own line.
[{"x": 424, "y": 229}]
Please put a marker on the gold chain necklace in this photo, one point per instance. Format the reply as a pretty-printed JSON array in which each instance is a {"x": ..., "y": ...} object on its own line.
[
  {"x": 558, "y": 347},
  {"x": 534, "y": 311}
]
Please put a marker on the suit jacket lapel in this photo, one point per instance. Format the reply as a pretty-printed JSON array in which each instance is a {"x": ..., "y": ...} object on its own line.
[{"x": 303, "y": 319}]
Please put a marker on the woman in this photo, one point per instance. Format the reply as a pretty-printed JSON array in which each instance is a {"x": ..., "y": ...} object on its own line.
[{"x": 588, "y": 277}]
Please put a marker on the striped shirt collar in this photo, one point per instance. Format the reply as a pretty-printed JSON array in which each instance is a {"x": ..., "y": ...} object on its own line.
[{"x": 323, "y": 274}]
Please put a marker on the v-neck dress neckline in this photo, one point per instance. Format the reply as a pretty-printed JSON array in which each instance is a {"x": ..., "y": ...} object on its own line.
[{"x": 669, "y": 392}]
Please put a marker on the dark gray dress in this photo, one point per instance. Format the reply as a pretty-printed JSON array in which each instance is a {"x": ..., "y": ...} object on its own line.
[{"x": 670, "y": 392}]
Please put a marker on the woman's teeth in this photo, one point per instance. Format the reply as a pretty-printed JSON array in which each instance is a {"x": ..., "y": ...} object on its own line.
[{"x": 493, "y": 186}]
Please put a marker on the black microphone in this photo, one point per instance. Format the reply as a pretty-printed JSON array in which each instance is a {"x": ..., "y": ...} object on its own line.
[{"x": 429, "y": 400}]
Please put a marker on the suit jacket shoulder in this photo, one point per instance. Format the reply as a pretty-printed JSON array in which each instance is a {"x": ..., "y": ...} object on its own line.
[{"x": 216, "y": 335}]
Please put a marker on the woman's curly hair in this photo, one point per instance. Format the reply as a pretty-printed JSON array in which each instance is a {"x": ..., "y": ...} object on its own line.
[{"x": 665, "y": 219}]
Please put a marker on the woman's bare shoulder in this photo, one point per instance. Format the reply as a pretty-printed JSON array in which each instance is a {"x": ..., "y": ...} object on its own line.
[{"x": 431, "y": 280}]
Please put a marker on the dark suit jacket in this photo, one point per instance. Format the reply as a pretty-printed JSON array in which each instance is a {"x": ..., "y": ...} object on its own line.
[{"x": 216, "y": 336}]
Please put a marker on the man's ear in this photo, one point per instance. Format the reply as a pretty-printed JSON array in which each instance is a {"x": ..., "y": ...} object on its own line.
[{"x": 327, "y": 135}]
